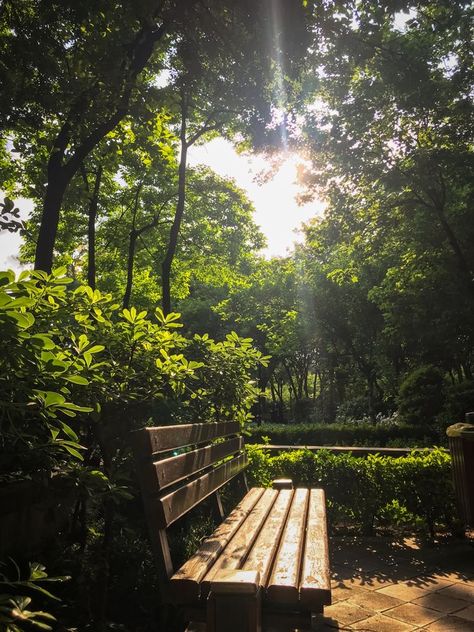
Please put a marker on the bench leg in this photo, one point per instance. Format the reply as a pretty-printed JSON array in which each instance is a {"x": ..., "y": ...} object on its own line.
[{"x": 235, "y": 603}]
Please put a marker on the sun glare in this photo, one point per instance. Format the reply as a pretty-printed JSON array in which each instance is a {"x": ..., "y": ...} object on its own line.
[{"x": 276, "y": 210}]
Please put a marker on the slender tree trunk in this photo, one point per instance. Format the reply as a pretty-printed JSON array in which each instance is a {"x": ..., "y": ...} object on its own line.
[
  {"x": 293, "y": 389},
  {"x": 92, "y": 217},
  {"x": 315, "y": 384},
  {"x": 131, "y": 250},
  {"x": 131, "y": 256},
  {"x": 178, "y": 217}
]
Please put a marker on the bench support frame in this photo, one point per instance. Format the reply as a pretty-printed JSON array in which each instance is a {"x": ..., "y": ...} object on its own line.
[{"x": 235, "y": 606}]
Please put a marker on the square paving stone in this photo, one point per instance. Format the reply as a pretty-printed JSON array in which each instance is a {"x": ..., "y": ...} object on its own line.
[
  {"x": 381, "y": 623},
  {"x": 459, "y": 590},
  {"x": 467, "y": 613},
  {"x": 374, "y": 600},
  {"x": 429, "y": 582},
  {"x": 346, "y": 613},
  {"x": 441, "y": 602},
  {"x": 415, "y": 615},
  {"x": 450, "y": 624},
  {"x": 403, "y": 592},
  {"x": 342, "y": 592}
]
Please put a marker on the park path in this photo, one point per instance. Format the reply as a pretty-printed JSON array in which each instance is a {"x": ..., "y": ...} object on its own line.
[{"x": 382, "y": 585}]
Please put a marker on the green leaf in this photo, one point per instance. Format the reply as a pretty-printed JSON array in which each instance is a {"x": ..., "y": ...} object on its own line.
[
  {"x": 76, "y": 379},
  {"x": 6, "y": 277},
  {"x": 95, "y": 349},
  {"x": 73, "y": 452},
  {"x": 24, "y": 321},
  {"x": 57, "y": 366},
  {"x": 69, "y": 432},
  {"x": 42, "y": 341}
]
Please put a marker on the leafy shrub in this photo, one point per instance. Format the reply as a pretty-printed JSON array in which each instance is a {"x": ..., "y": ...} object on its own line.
[
  {"x": 77, "y": 374},
  {"x": 346, "y": 434},
  {"x": 421, "y": 396},
  {"x": 366, "y": 492},
  {"x": 15, "y": 599}
]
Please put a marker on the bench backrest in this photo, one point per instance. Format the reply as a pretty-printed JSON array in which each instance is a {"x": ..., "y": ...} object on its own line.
[{"x": 179, "y": 466}]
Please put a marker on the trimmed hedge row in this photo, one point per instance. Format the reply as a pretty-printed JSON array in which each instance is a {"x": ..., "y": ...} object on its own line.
[
  {"x": 414, "y": 491},
  {"x": 357, "y": 434}
]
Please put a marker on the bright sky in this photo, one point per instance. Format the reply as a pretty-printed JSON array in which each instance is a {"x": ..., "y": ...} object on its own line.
[{"x": 277, "y": 212}]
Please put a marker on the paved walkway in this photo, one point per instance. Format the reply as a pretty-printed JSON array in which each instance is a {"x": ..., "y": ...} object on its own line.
[{"x": 384, "y": 586}]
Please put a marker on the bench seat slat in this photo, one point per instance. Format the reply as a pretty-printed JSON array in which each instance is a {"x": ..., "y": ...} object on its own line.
[
  {"x": 163, "y": 473},
  {"x": 185, "y": 583},
  {"x": 263, "y": 551},
  {"x": 177, "y": 503},
  {"x": 283, "y": 583},
  {"x": 315, "y": 586},
  {"x": 236, "y": 551}
]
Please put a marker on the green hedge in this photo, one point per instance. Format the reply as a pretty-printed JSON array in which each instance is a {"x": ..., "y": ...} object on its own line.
[
  {"x": 363, "y": 493},
  {"x": 356, "y": 434}
]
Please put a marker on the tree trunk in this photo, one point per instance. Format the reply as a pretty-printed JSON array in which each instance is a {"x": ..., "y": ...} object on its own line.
[
  {"x": 178, "y": 217},
  {"x": 293, "y": 388},
  {"x": 92, "y": 217},
  {"x": 59, "y": 173},
  {"x": 131, "y": 256},
  {"x": 134, "y": 233},
  {"x": 57, "y": 184}
]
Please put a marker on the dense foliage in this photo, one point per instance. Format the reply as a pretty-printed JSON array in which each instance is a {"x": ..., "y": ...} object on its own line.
[
  {"x": 363, "y": 335},
  {"x": 413, "y": 491}
]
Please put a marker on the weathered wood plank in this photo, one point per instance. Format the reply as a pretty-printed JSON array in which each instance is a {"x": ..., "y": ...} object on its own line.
[
  {"x": 236, "y": 551},
  {"x": 157, "y": 439},
  {"x": 263, "y": 551},
  {"x": 283, "y": 583},
  {"x": 177, "y": 503},
  {"x": 236, "y": 582},
  {"x": 185, "y": 583},
  {"x": 163, "y": 473},
  {"x": 315, "y": 582}
]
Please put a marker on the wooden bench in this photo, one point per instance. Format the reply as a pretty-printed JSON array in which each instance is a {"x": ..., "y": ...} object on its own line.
[{"x": 265, "y": 566}]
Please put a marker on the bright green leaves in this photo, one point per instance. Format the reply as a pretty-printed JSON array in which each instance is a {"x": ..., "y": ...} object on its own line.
[
  {"x": 40, "y": 359},
  {"x": 223, "y": 388},
  {"x": 168, "y": 321},
  {"x": 42, "y": 341},
  {"x": 132, "y": 316},
  {"x": 6, "y": 276},
  {"x": 51, "y": 403},
  {"x": 86, "y": 349},
  {"x": 24, "y": 321},
  {"x": 69, "y": 358}
]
